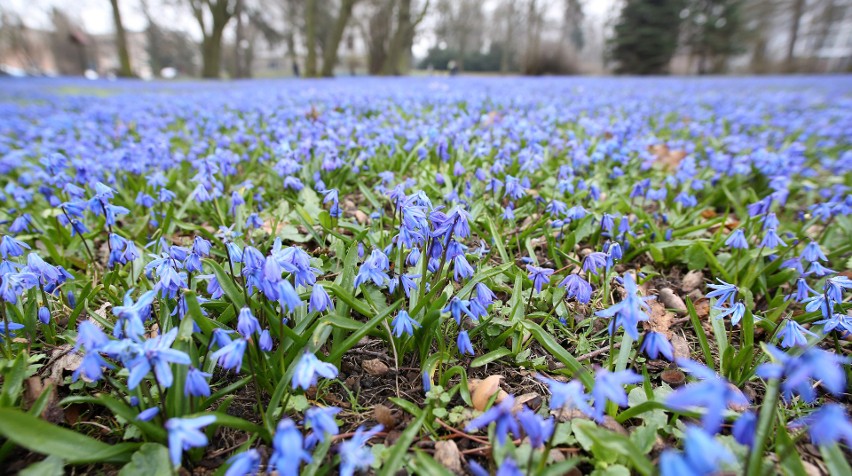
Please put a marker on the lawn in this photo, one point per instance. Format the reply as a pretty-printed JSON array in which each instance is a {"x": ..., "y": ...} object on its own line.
[{"x": 430, "y": 275}]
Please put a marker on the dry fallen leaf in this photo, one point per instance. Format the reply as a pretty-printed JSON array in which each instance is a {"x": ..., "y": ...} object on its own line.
[
  {"x": 447, "y": 455},
  {"x": 661, "y": 319},
  {"x": 680, "y": 346},
  {"x": 63, "y": 359},
  {"x": 482, "y": 391},
  {"x": 672, "y": 300},
  {"x": 375, "y": 367},
  {"x": 692, "y": 281}
]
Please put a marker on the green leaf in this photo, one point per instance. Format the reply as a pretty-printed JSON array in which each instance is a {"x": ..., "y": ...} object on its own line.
[
  {"x": 604, "y": 442},
  {"x": 50, "y": 466},
  {"x": 835, "y": 460},
  {"x": 486, "y": 359},
  {"x": 549, "y": 343},
  {"x": 227, "y": 283},
  {"x": 699, "y": 332},
  {"x": 353, "y": 338},
  {"x": 425, "y": 464},
  {"x": 151, "y": 460},
  {"x": 42, "y": 437}
]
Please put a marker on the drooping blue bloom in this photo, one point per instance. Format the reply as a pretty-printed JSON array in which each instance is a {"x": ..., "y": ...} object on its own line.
[
  {"x": 798, "y": 372},
  {"x": 10, "y": 247},
  {"x": 9, "y": 331},
  {"x": 737, "y": 240},
  {"x": 309, "y": 368},
  {"x": 89, "y": 336},
  {"x": 265, "y": 341},
  {"x": 568, "y": 395},
  {"x": 609, "y": 387},
  {"x": 508, "y": 468},
  {"x": 247, "y": 324},
  {"x": 840, "y": 322},
  {"x": 148, "y": 414},
  {"x": 458, "y": 306},
  {"x": 288, "y": 448},
  {"x": 813, "y": 253},
  {"x": 501, "y": 415},
  {"x": 185, "y": 433},
  {"x": 744, "y": 428},
  {"x": 537, "y": 429},
  {"x": 539, "y": 276},
  {"x": 464, "y": 344},
  {"x": 828, "y": 425},
  {"x": 656, "y": 344},
  {"x": 630, "y": 311},
  {"x": 230, "y": 356},
  {"x": 673, "y": 463},
  {"x": 737, "y": 311},
  {"x": 793, "y": 334},
  {"x": 288, "y": 298},
  {"x": 320, "y": 301},
  {"x": 771, "y": 240},
  {"x": 704, "y": 455},
  {"x": 44, "y": 315},
  {"x": 157, "y": 354},
  {"x": 724, "y": 292},
  {"x": 354, "y": 455},
  {"x": 595, "y": 261},
  {"x": 712, "y": 393},
  {"x": 835, "y": 286},
  {"x": 131, "y": 316},
  {"x": 245, "y": 463},
  {"x": 577, "y": 288},
  {"x": 196, "y": 383},
  {"x": 404, "y": 324},
  {"x": 373, "y": 269},
  {"x": 322, "y": 424}
]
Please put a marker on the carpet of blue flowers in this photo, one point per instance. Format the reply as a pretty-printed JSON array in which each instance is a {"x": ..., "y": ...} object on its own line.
[{"x": 427, "y": 275}]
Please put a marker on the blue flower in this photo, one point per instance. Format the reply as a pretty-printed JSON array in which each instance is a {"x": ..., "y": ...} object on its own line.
[
  {"x": 609, "y": 386},
  {"x": 568, "y": 396},
  {"x": 157, "y": 354},
  {"x": 793, "y": 335},
  {"x": 798, "y": 372},
  {"x": 148, "y": 414},
  {"x": 196, "y": 383},
  {"x": 737, "y": 311},
  {"x": 230, "y": 356},
  {"x": 737, "y": 240},
  {"x": 723, "y": 292},
  {"x": 247, "y": 324},
  {"x": 537, "y": 429},
  {"x": 185, "y": 433},
  {"x": 827, "y": 425},
  {"x": 404, "y": 324},
  {"x": 458, "y": 306},
  {"x": 813, "y": 253},
  {"x": 630, "y": 311},
  {"x": 771, "y": 240},
  {"x": 243, "y": 464},
  {"x": 89, "y": 336},
  {"x": 265, "y": 341},
  {"x": 712, "y": 393},
  {"x": 320, "y": 301},
  {"x": 9, "y": 331},
  {"x": 508, "y": 468},
  {"x": 539, "y": 276},
  {"x": 744, "y": 428},
  {"x": 44, "y": 315},
  {"x": 288, "y": 448},
  {"x": 577, "y": 288},
  {"x": 322, "y": 423},
  {"x": 703, "y": 455},
  {"x": 594, "y": 261},
  {"x": 10, "y": 247},
  {"x": 373, "y": 269},
  {"x": 309, "y": 368},
  {"x": 655, "y": 344},
  {"x": 354, "y": 455},
  {"x": 463, "y": 343},
  {"x": 501, "y": 415}
]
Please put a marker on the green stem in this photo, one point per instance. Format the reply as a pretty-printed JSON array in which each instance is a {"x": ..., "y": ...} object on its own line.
[{"x": 764, "y": 426}]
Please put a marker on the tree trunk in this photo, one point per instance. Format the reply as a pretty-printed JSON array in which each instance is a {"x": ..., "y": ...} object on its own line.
[
  {"x": 399, "y": 40},
  {"x": 508, "y": 40},
  {"x": 239, "y": 38},
  {"x": 798, "y": 10},
  {"x": 329, "y": 57},
  {"x": 121, "y": 42},
  {"x": 311, "y": 38}
]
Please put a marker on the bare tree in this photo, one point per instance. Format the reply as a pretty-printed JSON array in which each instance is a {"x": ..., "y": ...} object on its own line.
[
  {"x": 335, "y": 34},
  {"x": 399, "y": 47},
  {"x": 212, "y": 17},
  {"x": 795, "y": 20},
  {"x": 121, "y": 42},
  {"x": 461, "y": 25}
]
